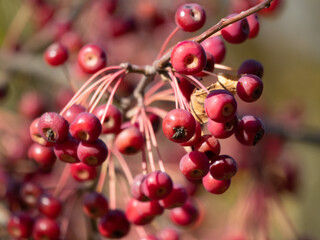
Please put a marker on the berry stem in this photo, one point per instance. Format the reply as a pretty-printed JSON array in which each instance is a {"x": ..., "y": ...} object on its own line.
[
  {"x": 112, "y": 184},
  {"x": 63, "y": 180},
  {"x": 164, "y": 45},
  {"x": 154, "y": 88},
  {"x": 158, "y": 111},
  {"x": 103, "y": 174},
  {"x": 124, "y": 165},
  {"x": 196, "y": 82},
  {"x": 166, "y": 95}
]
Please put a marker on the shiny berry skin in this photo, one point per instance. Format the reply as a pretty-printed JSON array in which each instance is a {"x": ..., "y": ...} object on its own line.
[
  {"x": 95, "y": 204},
  {"x": 168, "y": 234},
  {"x": 220, "y": 105},
  {"x": 208, "y": 145},
  {"x": 82, "y": 172},
  {"x": 196, "y": 136},
  {"x": 209, "y": 65},
  {"x": 251, "y": 66},
  {"x": 222, "y": 130},
  {"x": 136, "y": 188},
  {"x": 157, "y": 185},
  {"x": 185, "y": 215},
  {"x": 20, "y": 225},
  {"x": 190, "y": 17},
  {"x": 85, "y": 127},
  {"x": 56, "y": 54},
  {"x": 50, "y": 206},
  {"x": 249, "y": 88},
  {"x": 254, "y": 26},
  {"x": 30, "y": 193},
  {"x": 274, "y": 6},
  {"x": 92, "y": 58},
  {"x": 194, "y": 165},
  {"x": 129, "y": 141},
  {"x": 44, "y": 156},
  {"x": 223, "y": 168},
  {"x": 35, "y": 135},
  {"x": 188, "y": 57},
  {"x": 45, "y": 228},
  {"x": 71, "y": 113},
  {"x": 249, "y": 130},
  {"x": 236, "y": 32},
  {"x": 92, "y": 153},
  {"x": 141, "y": 213},
  {"x": 179, "y": 125},
  {"x": 216, "y": 47},
  {"x": 215, "y": 186},
  {"x": 66, "y": 151},
  {"x": 53, "y": 127},
  {"x": 113, "y": 119},
  {"x": 176, "y": 198},
  {"x": 114, "y": 224}
]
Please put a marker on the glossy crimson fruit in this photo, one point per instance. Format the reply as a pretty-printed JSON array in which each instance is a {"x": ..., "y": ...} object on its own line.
[
  {"x": 254, "y": 26},
  {"x": 216, "y": 47},
  {"x": 50, "y": 206},
  {"x": 196, "y": 136},
  {"x": 53, "y": 127},
  {"x": 45, "y": 228},
  {"x": 136, "y": 188},
  {"x": 95, "y": 204},
  {"x": 92, "y": 58},
  {"x": 114, "y": 224},
  {"x": 194, "y": 165},
  {"x": 71, "y": 113},
  {"x": 176, "y": 198},
  {"x": 249, "y": 130},
  {"x": 190, "y": 17},
  {"x": 82, "y": 172},
  {"x": 113, "y": 119},
  {"x": 86, "y": 127},
  {"x": 44, "y": 156},
  {"x": 223, "y": 168},
  {"x": 20, "y": 225},
  {"x": 129, "y": 141},
  {"x": 66, "y": 151},
  {"x": 251, "y": 66},
  {"x": 188, "y": 57},
  {"x": 209, "y": 65},
  {"x": 179, "y": 125},
  {"x": 249, "y": 88},
  {"x": 222, "y": 130},
  {"x": 220, "y": 105},
  {"x": 92, "y": 153},
  {"x": 215, "y": 186},
  {"x": 30, "y": 193},
  {"x": 236, "y": 32},
  {"x": 208, "y": 145},
  {"x": 36, "y": 136},
  {"x": 56, "y": 54},
  {"x": 157, "y": 185},
  {"x": 185, "y": 215}
]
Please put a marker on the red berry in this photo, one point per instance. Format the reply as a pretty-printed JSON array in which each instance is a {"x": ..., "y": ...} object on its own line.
[
  {"x": 209, "y": 65},
  {"x": 190, "y": 17},
  {"x": 249, "y": 130},
  {"x": 157, "y": 185},
  {"x": 208, "y": 145},
  {"x": 72, "y": 112},
  {"x": 194, "y": 165},
  {"x": 223, "y": 168},
  {"x": 176, "y": 198},
  {"x": 216, "y": 47},
  {"x": 92, "y": 58},
  {"x": 251, "y": 66},
  {"x": 45, "y": 228},
  {"x": 20, "y": 225},
  {"x": 95, "y": 204},
  {"x": 188, "y": 57},
  {"x": 113, "y": 119},
  {"x": 92, "y": 153},
  {"x": 274, "y": 6},
  {"x": 114, "y": 224},
  {"x": 50, "y": 206},
  {"x": 36, "y": 136},
  {"x": 56, "y": 54},
  {"x": 136, "y": 188},
  {"x": 185, "y": 215},
  {"x": 44, "y": 156},
  {"x": 168, "y": 234},
  {"x": 196, "y": 136},
  {"x": 220, "y": 105},
  {"x": 30, "y": 193},
  {"x": 222, "y": 130},
  {"x": 236, "y": 32},
  {"x": 215, "y": 186},
  {"x": 249, "y": 88},
  {"x": 254, "y": 26},
  {"x": 66, "y": 151},
  {"x": 82, "y": 172},
  {"x": 179, "y": 125},
  {"x": 185, "y": 86},
  {"x": 129, "y": 141}
]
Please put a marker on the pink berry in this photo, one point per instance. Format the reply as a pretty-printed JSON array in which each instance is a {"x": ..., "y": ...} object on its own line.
[
  {"x": 254, "y": 26},
  {"x": 222, "y": 130},
  {"x": 194, "y": 165},
  {"x": 208, "y": 145},
  {"x": 249, "y": 88},
  {"x": 185, "y": 215},
  {"x": 216, "y": 47},
  {"x": 190, "y": 17},
  {"x": 136, "y": 188},
  {"x": 66, "y": 151},
  {"x": 215, "y": 186},
  {"x": 157, "y": 185},
  {"x": 92, "y": 153},
  {"x": 223, "y": 168},
  {"x": 176, "y": 198},
  {"x": 169, "y": 234},
  {"x": 129, "y": 141},
  {"x": 20, "y": 225},
  {"x": 30, "y": 193},
  {"x": 188, "y": 57},
  {"x": 220, "y": 105},
  {"x": 92, "y": 58},
  {"x": 45, "y": 228},
  {"x": 209, "y": 65},
  {"x": 236, "y": 32},
  {"x": 50, "y": 206},
  {"x": 72, "y": 112},
  {"x": 95, "y": 204},
  {"x": 249, "y": 130},
  {"x": 179, "y": 125},
  {"x": 44, "y": 156},
  {"x": 112, "y": 121},
  {"x": 82, "y": 172},
  {"x": 56, "y": 54},
  {"x": 114, "y": 224},
  {"x": 251, "y": 66}
]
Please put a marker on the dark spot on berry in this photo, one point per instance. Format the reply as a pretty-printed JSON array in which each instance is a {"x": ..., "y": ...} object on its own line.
[{"x": 179, "y": 132}]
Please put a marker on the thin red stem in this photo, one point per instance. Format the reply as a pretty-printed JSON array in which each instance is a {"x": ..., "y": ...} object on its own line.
[
  {"x": 103, "y": 174},
  {"x": 112, "y": 184},
  {"x": 124, "y": 165},
  {"x": 165, "y": 44},
  {"x": 63, "y": 180}
]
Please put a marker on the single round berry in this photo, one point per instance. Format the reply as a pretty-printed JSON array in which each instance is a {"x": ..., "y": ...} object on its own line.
[
  {"x": 194, "y": 165},
  {"x": 129, "y": 141},
  {"x": 50, "y": 206},
  {"x": 86, "y": 127},
  {"x": 72, "y": 112},
  {"x": 114, "y": 224},
  {"x": 236, "y": 32},
  {"x": 249, "y": 130},
  {"x": 95, "y": 204},
  {"x": 185, "y": 215},
  {"x": 66, "y": 151},
  {"x": 176, "y": 198},
  {"x": 92, "y": 58},
  {"x": 43, "y": 156},
  {"x": 157, "y": 185},
  {"x": 254, "y": 26},
  {"x": 190, "y": 17},
  {"x": 136, "y": 188},
  {"x": 223, "y": 168},
  {"x": 56, "y": 54},
  {"x": 30, "y": 193},
  {"x": 82, "y": 172},
  {"x": 251, "y": 66},
  {"x": 220, "y": 105},
  {"x": 222, "y": 130},
  {"x": 92, "y": 153},
  {"x": 216, "y": 47},
  {"x": 188, "y": 57},
  {"x": 53, "y": 127},
  {"x": 112, "y": 121},
  {"x": 45, "y": 228},
  {"x": 20, "y": 225},
  {"x": 36, "y": 136},
  {"x": 215, "y": 186},
  {"x": 208, "y": 145},
  {"x": 249, "y": 88},
  {"x": 196, "y": 136},
  {"x": 179, "y": 125}
]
